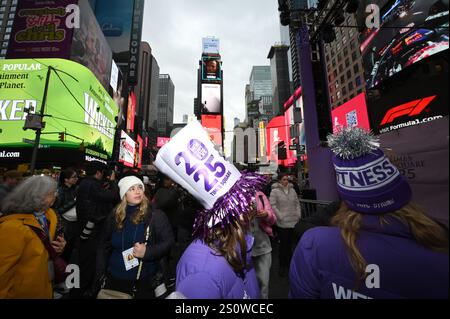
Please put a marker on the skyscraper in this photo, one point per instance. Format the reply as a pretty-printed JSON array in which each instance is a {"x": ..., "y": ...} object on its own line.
[
  {"x": 279, "y": 69},
  {"x": 260, "y": 86},
  {"x": 165, "y": 105},
  {"x": 7, "y": 12}
]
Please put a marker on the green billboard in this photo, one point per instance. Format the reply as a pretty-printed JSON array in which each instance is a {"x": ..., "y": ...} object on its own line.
[{"x": 77, "y": 104}]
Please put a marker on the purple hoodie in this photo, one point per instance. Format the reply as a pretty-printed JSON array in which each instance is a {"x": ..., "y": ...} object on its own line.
[
  {"x": 398, "y": 267},
  {"x": 202, "y": 274}
]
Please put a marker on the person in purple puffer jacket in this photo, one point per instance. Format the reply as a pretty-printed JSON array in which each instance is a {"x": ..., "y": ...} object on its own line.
[{"x": 382, "y": 245}]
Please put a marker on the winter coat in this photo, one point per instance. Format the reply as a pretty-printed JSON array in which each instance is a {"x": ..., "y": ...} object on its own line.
[
  {"x": 261, "y": 228},
  {"x": 23, "y": 257},
  {"x": 285, "y": 206},
  {"x": 398, "y": 266},
  {"x": 166, "y": 199},
  {"x": 203, "y": 274},
  {"x": 94, "y": 202},
  {"x": 159, "y": 243},
  {"x": 65, "y": 200}
]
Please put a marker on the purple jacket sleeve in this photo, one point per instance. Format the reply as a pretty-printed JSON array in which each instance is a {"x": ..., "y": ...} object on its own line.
[
  {"x": 303, "y": 273},
  {"x": 199, "y": 286}
]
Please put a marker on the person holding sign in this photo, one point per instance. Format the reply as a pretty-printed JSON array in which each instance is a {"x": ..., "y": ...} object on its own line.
[
  {"x": 135, "y": 233},
  {"x": 217, "y": 264}
]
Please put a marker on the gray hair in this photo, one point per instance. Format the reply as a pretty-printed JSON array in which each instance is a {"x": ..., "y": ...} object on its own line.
[{"x": 28, "y": 197}]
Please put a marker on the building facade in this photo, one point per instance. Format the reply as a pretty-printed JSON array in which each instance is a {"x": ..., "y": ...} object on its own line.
[
  {"x": 165, "y": 105},
  {"x": 7, "y": 12},
  {"x": 279, "y": 69}
]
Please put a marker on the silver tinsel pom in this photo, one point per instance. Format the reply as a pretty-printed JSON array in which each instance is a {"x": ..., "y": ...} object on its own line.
[{"x": 352, "y": 142}]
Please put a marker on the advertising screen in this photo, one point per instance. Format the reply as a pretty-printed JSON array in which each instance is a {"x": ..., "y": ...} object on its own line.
[
  {"x": 131, "y": 111},
  {"x": 352, "y": 113},
  {"x": 39, "y": 30},
  {"x": 87, "y": 116},
  {"x": 410, "y": 31},
  {"x": 416, "y": 96},
  {"x": 211, "y": 98},
  {"x": 211, "y": 45},
  {"x": 161, "y": 141},
  {"x": 127, "y": 150},
  {"x": 89, "y": 46},
  {"x": 211, "y": 68},
  {"x": 213, "y": 125},
  {"x": 115, "y": 18},
  {"x": 138, "y": 153}
]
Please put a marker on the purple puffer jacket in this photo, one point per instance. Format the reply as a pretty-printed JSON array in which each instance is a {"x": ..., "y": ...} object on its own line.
[
  {"x": 398, "y": 267},
  {"x": 202, "y": 274}
]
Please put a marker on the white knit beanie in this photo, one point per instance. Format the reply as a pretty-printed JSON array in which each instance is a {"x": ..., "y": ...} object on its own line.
[{"x": 127, "y": 182}]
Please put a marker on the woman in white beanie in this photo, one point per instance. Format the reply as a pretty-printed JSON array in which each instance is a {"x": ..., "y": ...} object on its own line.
[{"x": 136, "y": 237}]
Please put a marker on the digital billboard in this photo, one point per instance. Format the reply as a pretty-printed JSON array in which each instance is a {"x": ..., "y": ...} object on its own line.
[
  {"x": 416, "y": 96},
  {"x": 350, "y": 114},
  {"x": 39, "y": 30},
  {"x": 410, "y": 31},
  {"x": 211, "y": 68},
  {"x": 161, "y": 141},
  {"x": 86, "y": 117},
  {"x": 127, "y": 150},
  {"x": 211, "y": 98},
  {"x": 213, "y": 125},
  {"x": 131, "y": 111},
  {"x": 89, "y": 46},
  {"x": 211, "y": 45}
]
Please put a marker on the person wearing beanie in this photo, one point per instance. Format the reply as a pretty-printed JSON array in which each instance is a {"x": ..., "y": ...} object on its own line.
[
  {"x": 217, "y": 264},
  {"x": 135, "y": 238},
  {"x": 381, "y": 245}
]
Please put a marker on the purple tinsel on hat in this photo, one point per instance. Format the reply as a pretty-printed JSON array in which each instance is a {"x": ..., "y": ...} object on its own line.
[{"x": 237, "y": 201}]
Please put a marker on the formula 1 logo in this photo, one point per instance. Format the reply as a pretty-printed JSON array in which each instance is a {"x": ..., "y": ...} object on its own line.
[{"x": 411, "y": 109}]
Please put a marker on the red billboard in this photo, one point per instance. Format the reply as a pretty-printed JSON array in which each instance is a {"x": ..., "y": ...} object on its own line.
[
  {"x": 131, "y": 111},
  {"x": 161, "y": 141},
  {"x": 279, "y": 139},
  {"x": 213, "y": 124},
  {"x": 138, "y": 153},
  {"x": 352, "y": 113}
]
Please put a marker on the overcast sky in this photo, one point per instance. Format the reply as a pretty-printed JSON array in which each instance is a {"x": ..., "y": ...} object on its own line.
[{"x": 246, "y": 29}]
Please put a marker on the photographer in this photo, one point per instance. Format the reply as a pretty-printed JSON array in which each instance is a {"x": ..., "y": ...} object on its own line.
[{"x": 96, "y": 196}]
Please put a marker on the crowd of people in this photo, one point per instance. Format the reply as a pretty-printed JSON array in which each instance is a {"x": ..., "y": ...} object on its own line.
[{"x": 132, "y": 239}]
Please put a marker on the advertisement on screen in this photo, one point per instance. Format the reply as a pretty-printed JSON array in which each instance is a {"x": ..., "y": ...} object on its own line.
[
  {"x": 410, "y": 31},
  {"x": 418, "y": 96},
  {"x": 211, "y": 68},
  {"x": 161, "y": 141},
  {"x": 211, "y": 45},
  {"x": 40, "y": 30},
  {"x": 211, "y": 98},
  {"x": 127, "y": 150},
  {"x": 86, "y": 114},
  {"x": 213, "y": 125},
  {"x": 350, "y": 114}
]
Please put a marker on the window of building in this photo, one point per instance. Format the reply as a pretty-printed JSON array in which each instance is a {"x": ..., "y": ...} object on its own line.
[
  {"x": 360, "y": 91},
  {"x": 344, "y": 39},
  {"x": 352, "y": 45},
  {"x": 352, "y": 96},
  {"x": 354, "y": 57},
  {"x": 341, "y": 68},
  {"x": 14, "y": 2},
  {"x": 334, "y": 62},
  {"x": 5, "y": 44},
  {"x": 9, "y": 23},
  {"x": 11, "y": 16},
  {"x": 356, "y": 68},
  {"x": 2, "y": 9},
  {"x": 344, "y": 91},
  {"x": 349, "y": 74},
  {"x": 350, "y": 86},
  {"x": 335, "y": 74},
  {"x": 358, "y": 81},
  {"x": 345, "y": 51},
  {"x": 347, "y": 63},
  {"x": 338, "y": 95},
  {"x": 1, "y": 15},
  {"x": 3, "y": 51},
  {"x": 7, "y": 36},
  {"x": 339, "y": 56},
  {"x": 8, "y": 30},
  {"x": 342, "y": 79},
  {"x": 337, "y": 84}
]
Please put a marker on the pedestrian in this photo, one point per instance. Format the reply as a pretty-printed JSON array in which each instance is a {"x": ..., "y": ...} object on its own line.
[
  {"x": 65, "y": 207},
  {"x": 29, "y": 243},
  {"x": 141, "y": 233},
  {"x": 382, "y": 245},
  {"x": 96, "y": 196},
  {"x": 261, "y": 229},
  {"x": 10, "y": 180},
  {"x": 286, "y": 206},
  {"x": 217, "y": 264}
]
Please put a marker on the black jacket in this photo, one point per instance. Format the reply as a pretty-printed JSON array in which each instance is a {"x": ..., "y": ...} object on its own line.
[
  {"x": 94, "y": 202},
  {"x": 158, "y": 245},
  {"x": 167, "y": 199},
  {"x": 65, "y": 200}
]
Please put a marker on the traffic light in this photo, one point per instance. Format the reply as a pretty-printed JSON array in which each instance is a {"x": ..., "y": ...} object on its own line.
[{"x": 61, "y": 137}]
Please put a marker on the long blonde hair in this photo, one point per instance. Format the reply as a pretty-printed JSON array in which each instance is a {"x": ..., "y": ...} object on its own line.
[
  {"x": 138, "y": 216},
  {"x": 427, "y": 232}
]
